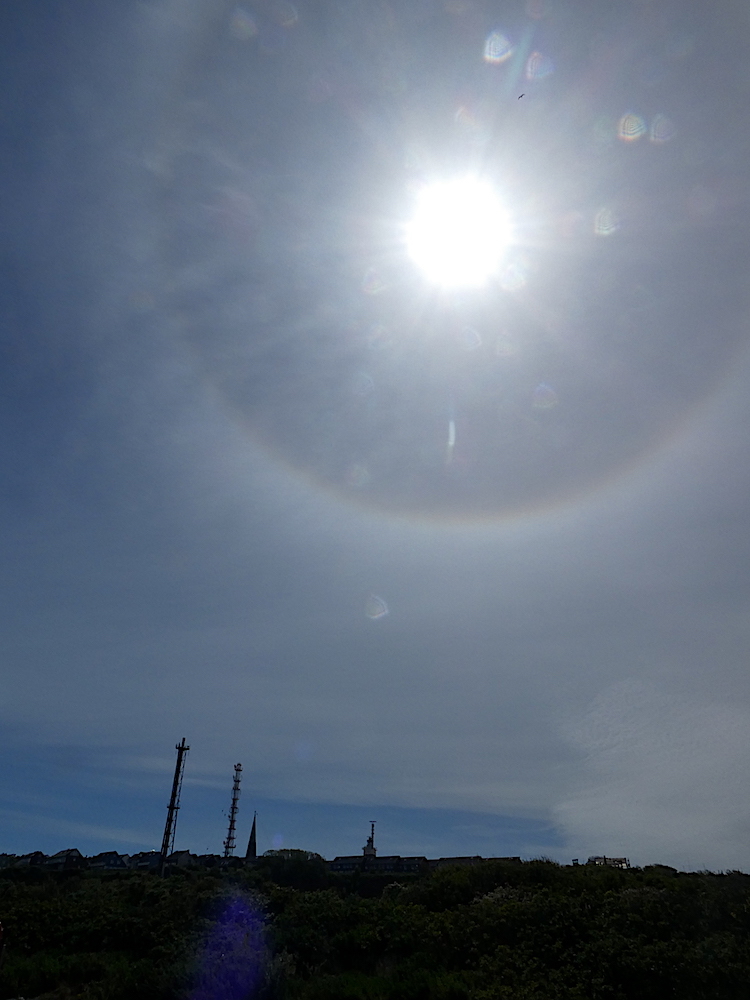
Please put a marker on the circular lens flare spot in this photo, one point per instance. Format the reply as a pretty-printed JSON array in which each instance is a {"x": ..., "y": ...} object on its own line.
[
  {"x": 497, "y": 48},
  {"x": 606, "y": 222},
  {"x": 544, "y": 397},
  {"x": 631, "y": 128},
  {"x": 538, "y": 66},
  {"x": 375, "y": 607},
  {"x": 458, "y": 233}
]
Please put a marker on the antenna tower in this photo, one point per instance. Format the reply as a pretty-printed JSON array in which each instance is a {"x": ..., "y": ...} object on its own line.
[
  {"x": 369, "y": 850},
  {"x": 229, "y": 842},
  {"x": 167, "y": 844}
]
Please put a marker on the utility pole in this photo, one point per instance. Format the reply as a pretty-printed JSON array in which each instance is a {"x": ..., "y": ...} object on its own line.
[
  {"x": 229, "y": 842},
  {"x": 167, "y": 844}
]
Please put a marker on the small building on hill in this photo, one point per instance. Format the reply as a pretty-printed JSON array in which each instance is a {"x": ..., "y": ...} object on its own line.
[
  {"x": 182, "y": 859},
  {"x": 474, "y": 859},
  {"x": 65, "y": 860},
  {"x": 30, "y": 860},
  {"x": 386, "y": 863},
  {"x": 109, "y": 861},
  {"x": 468, "y": 861},
  {"x": 369, "y": 861},
  {"x": 208, "y": 860},
  {"x": 145, "y": 861},
  {"x": 609, "y": 862}
]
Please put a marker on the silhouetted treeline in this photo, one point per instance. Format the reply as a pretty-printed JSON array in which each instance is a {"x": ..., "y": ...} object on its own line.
[{"x": 290, "y": 929}]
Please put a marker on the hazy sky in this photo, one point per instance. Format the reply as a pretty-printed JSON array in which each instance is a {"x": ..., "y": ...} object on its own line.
[{"x": 238, "y": 425}]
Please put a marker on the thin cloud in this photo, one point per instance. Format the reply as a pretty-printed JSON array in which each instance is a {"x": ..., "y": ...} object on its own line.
[
  {"x": 45, "y": 825},
  {"x": 661, "y": 779}
]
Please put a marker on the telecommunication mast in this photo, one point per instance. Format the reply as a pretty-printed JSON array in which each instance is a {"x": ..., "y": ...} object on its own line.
[
  {"x": 229, "y": 843},
  {"x": 167, "y": 844}
]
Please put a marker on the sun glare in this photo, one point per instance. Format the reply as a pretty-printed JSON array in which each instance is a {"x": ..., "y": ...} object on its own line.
[{"x": 458, "y": 233}]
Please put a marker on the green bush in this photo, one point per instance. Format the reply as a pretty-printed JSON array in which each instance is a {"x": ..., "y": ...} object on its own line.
[{"x": 286, "y": 928}]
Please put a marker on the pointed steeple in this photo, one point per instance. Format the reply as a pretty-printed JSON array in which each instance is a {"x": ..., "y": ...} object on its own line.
[{"x": 252, "y": 845}]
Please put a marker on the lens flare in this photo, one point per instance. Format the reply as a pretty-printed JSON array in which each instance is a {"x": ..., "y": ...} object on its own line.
[
  {"x": 606, "y": 222},
  {"x": 662, "y": 129},
  {"x": 362, "y": 384},
  {"x": 458, "y": 233},
  {"x": 372, "y": 283},
  {"x": 497, "y": 48},
  {"x": 242, "y": 25},
  {"x": 505, "y": 348},
  {"x": 378, "y": 337},
  {"x": 515, "y": 274},
  {"x": 537, "y": 9},
  {"x": 232, "y": 961},
  {"x": 544, "y": 397},
  {"x": 286, "y": 14},
  {"x": 472, "y": 126},
  {"x": 631, "y": 127},
  {"x": 538, "y": 66},
  {"x": 375, "y": 607},
  {"x": 470, "y": 339}
]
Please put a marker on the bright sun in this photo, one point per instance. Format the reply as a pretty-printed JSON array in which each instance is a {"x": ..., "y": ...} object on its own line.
[{"x": 458, "y": 233}]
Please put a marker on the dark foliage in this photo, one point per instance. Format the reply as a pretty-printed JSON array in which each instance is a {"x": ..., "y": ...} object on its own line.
[{"x": 287, "y": 928}]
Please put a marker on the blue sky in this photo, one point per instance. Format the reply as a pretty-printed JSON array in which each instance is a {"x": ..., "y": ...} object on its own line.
[{"x": 232, "y": 411}]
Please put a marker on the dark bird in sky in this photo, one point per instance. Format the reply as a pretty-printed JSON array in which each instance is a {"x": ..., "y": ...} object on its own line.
[{"x": 520, "y": 96}]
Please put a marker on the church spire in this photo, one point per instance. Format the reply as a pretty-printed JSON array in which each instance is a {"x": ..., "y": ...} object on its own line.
[{"x": 252, "y": 846}]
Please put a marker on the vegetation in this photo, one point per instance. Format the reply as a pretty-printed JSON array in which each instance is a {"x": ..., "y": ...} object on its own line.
[{"x": 290, "y": 929}]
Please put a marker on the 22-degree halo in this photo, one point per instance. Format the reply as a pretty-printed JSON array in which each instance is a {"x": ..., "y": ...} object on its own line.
[
  {"x": 461, "y": 407},
  {"x": 458, "y": 233}
]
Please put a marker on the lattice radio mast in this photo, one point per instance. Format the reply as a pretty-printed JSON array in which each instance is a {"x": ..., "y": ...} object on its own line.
[
  {"x": 229, "y": 842},
  {"x": 167, "y": 844}
]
